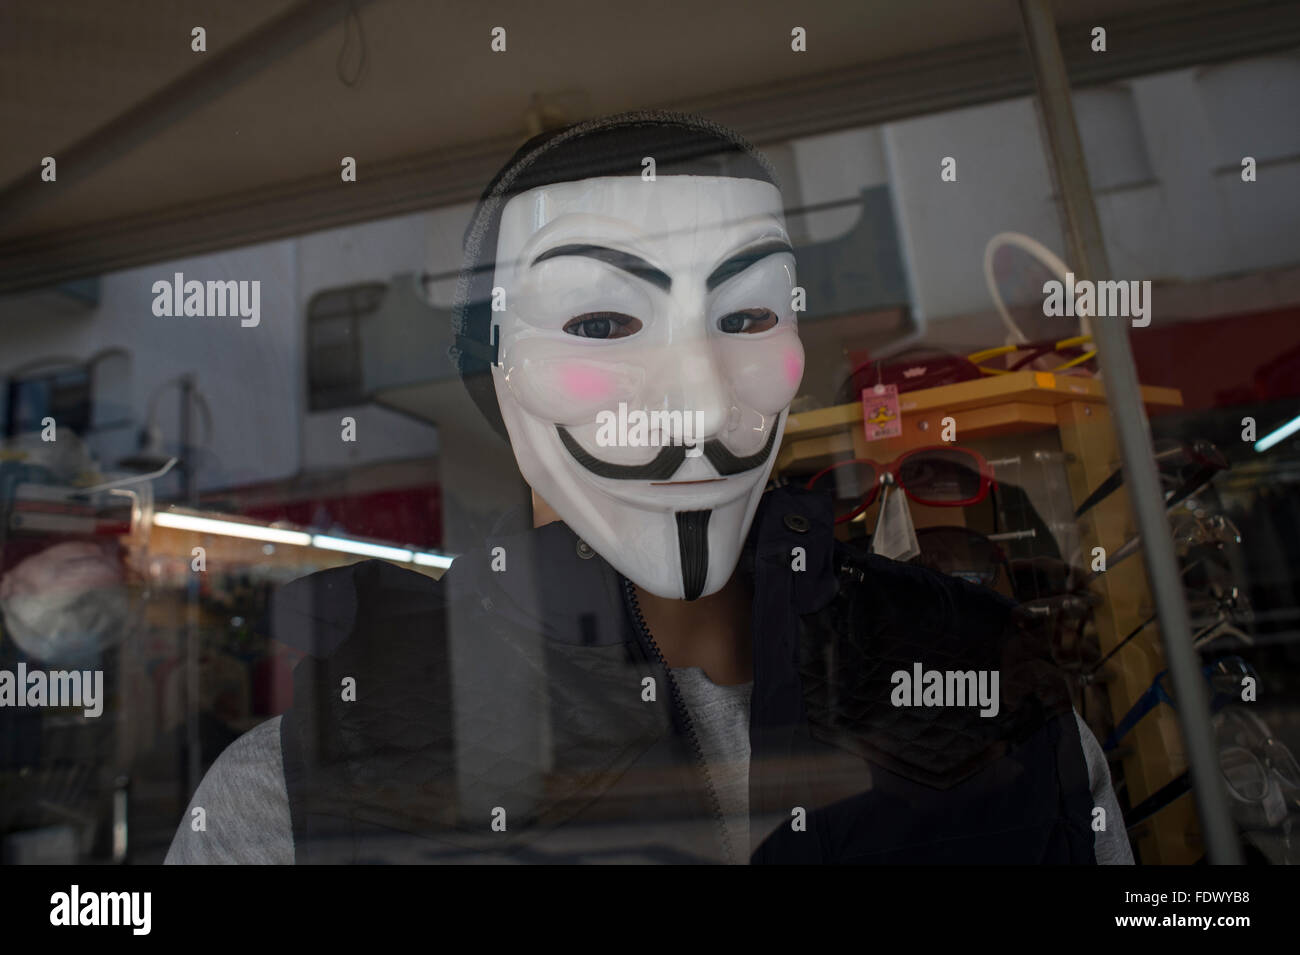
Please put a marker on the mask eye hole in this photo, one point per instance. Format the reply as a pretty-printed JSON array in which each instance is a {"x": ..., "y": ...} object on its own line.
[
  {"x": 603, "y": 325},
  {"x": 749, "y": 321}
]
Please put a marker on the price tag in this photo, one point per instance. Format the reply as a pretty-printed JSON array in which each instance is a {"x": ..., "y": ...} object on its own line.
[{"x": 880, "y": 414}]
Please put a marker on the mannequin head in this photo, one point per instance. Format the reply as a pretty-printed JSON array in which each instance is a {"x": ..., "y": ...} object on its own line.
[{"x": 647, "y": 352}]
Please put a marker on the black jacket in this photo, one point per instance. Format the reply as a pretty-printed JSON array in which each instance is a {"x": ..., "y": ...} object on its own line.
[{"x": 520, "y": 696}]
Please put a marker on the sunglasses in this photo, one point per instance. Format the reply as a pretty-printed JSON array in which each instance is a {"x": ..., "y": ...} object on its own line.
[
  {"x": 1252, "y": 759},
  {"x": 961, "y": 552},
  {"x": 1077, "y": 352},
  {"x": 1223, "y": 676},
  {"x": 1185, "y": 467},
  {"x": 913, "y": 370},
  {"x": 1253, "y": 755},
  {"x": 936, "y": 476}
]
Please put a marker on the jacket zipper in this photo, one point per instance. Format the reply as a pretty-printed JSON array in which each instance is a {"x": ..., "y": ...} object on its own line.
[{"x": 643, "y": 629}]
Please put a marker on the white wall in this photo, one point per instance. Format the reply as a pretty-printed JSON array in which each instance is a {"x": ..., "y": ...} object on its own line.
[
  {"x": 370, "y": 252},
  {"x": 1163, "y": 153},
  {"x": 249, "y": 376}
]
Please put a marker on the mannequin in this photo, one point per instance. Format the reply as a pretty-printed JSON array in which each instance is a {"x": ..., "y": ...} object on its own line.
[{"x": 628, "y": 666}]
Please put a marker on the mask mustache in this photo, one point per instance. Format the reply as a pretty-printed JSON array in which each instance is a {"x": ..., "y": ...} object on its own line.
[
  {"x": 726, "y": 463},
  {"x": 669, "y": 459}
]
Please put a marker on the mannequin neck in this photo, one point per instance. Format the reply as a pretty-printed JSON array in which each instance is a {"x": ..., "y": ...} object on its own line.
[
  {"x": 543, "y": 513},
  {"x": 712, "y": 633}
]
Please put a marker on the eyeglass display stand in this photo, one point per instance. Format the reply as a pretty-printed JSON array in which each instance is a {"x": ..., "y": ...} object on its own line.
[{"x": 1074, "y": 417}]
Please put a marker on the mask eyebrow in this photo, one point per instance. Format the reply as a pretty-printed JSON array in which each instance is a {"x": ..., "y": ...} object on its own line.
[
  {"x": 626, "y": 261},
  {"x": 743, "y": 260}
]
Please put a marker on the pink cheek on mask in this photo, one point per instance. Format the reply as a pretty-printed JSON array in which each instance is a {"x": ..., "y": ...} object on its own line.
[
  {"x": 792, "y": 361},
  {"x": 584, "y": 383}
]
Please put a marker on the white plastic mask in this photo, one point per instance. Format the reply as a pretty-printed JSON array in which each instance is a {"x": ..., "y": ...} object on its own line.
[{"x": 624, "y": 297}]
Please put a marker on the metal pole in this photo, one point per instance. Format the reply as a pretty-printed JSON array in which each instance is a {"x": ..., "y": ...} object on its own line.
[
  {"x": 1088, "y": 256},
  {"x": 193, "y": 632}
]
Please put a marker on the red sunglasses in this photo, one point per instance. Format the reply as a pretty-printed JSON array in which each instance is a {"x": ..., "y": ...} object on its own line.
[{"x": 935, "y": 476}]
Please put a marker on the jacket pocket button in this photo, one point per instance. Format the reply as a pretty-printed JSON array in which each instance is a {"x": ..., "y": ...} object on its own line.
[
  {"x": 584, "y": 550},
  {"x": 797, "y": 523}
]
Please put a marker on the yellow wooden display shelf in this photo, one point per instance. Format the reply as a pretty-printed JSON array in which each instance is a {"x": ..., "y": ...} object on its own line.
[
  {"x": 1000, "y": 404},
  {"x": 1076, "y": 411}
]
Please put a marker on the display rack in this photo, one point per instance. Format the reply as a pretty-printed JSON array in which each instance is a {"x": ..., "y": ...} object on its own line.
[{"x": 1072, "y": 414}]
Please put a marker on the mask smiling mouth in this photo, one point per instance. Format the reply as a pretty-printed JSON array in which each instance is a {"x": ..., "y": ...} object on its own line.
[{"x": 669, "y": 459}]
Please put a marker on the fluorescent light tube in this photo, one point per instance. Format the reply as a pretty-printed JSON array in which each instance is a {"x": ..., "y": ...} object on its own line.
[
  {"x": 361, "y": 547},
  {"x": 1281, "y": 434},
  {"x": 208, "y": 525},
  {"x": 276, "y": 535}
]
